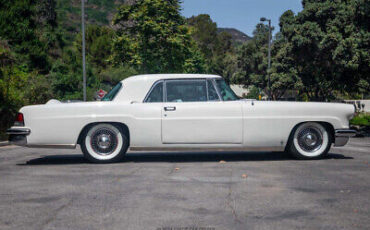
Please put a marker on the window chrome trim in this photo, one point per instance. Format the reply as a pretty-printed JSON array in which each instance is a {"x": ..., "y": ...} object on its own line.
[
  {"x": 164, "y": 81},
  {"x": 207, "y": 94},
  {"x": 115, "y": 95},
  {"x": 219, "y": 90},
  {"x": 164, "y": 91},
  {"x": 151, "y": 89},
  {"x": 215, "y": 87}
]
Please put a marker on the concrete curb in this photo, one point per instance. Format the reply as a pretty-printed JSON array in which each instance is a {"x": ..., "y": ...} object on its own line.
[{"x": 4, "y": 143}]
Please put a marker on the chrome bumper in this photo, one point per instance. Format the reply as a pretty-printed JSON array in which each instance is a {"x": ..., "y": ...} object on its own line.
[
  {"x": 342, "y": 136},
  {"x": 17, "y": 136}
]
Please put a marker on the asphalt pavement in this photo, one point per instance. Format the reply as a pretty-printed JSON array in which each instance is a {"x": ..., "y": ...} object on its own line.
[{"x": 58, "y": 189}]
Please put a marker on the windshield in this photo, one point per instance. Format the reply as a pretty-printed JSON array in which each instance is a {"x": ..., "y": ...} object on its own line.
[
  {"x": 227, "y": 93},
  {"x": 110, "y": 96}
]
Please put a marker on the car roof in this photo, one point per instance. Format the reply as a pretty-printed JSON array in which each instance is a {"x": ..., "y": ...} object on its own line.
[
  {"x": 136, "y": 87},
  {"x": 155, "y": 77}
]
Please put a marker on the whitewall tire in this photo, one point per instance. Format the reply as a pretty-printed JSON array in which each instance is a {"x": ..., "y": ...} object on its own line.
[
  {"x": 310, "y": 140},
  {"x": 104, "y": 143}
]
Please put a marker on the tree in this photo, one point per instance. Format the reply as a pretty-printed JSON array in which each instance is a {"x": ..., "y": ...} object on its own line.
[
  {"x": 99, "y": 40},
  {"x": 216, "y": 47},
  {"x": 252, "y": 64},
  {"x": 329, "y": 42},
  {"x": 204, "y": 32},
  {"x": 22, "y": 24},
  {"x": 153, "y": 36},
  {"x": 252, "y": 59},
  {"x": 12, "y": 82},
  {"x": 283, "y": 76}
]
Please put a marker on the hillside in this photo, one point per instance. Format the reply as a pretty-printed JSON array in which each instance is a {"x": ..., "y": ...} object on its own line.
[
  {"x": 101, "y": 12},
  {"x": 97, "y": 12},
  {"x": 237, "y": 36}
]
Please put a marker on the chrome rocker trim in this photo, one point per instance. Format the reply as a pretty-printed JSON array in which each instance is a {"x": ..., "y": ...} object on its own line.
[
  {"x": 53, "y": 146},
  {"x": 205, "y": 149},
  {"x": 342, "y": 136}
]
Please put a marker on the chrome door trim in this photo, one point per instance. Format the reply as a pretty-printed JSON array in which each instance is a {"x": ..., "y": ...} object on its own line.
[
  {"x": 221, "y": 149},
  {"x": 52, "y": 146}
]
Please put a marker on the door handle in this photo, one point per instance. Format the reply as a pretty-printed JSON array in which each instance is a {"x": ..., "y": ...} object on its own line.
[{"x": 169, "y": 108}]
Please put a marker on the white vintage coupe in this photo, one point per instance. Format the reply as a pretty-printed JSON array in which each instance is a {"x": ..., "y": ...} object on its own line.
[{"x": 182, "y": 112}]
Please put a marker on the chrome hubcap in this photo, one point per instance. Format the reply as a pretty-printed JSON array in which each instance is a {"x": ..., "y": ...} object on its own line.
[
  {"x": 310, "y": 139},
  {"x": 104, "y": 141}
]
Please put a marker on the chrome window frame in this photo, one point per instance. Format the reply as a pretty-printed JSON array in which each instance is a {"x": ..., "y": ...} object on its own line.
[
  {"x": 212, "y": 80},
  {"x": 164, "y": 81},
  {"x": 118, "y": 92},
  {"x": 192, "y": 79},
  {"x": 151, "y": 89},
  {"x": 219, "y": 91}
]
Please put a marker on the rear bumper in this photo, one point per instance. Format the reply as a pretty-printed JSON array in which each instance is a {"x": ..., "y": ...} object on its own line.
[
  {"x": 18, "y": 136},
  {"x": 342, "y": 136}
]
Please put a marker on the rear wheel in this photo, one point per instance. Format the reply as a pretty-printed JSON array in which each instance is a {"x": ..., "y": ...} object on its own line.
[
  {"x": 104, "y": 143},
  {"x": 310, "y": 140}
]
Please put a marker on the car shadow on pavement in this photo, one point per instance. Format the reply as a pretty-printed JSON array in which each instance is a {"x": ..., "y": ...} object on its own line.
[
  {"x": 178, "y": 157},
  {"x": 56, "y": 160}
]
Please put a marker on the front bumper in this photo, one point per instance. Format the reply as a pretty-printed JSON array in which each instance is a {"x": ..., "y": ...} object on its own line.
[
  {"x": 17, "y": 135},
  {"x": 342, "y": 136}
]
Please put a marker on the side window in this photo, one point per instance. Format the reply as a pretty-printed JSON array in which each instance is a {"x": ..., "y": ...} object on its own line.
[
  {"x": 112, "y": 94},
  {"x": 226, "y": 92},
  {"x": 212, "y": 93},
  {"x": 156, "y": 95},
  {"x": 186, "y": 90}
]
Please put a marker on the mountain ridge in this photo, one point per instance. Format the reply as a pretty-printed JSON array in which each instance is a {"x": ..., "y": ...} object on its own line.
[
  {"x": 100, "y": 12},
  {"x": 237, "y": 35}
]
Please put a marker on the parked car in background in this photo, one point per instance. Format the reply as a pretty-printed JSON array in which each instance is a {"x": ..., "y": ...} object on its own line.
[{"x": 182, "y": 112}]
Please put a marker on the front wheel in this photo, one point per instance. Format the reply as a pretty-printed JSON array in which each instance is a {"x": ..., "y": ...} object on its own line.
[
  {"x": 310, "y": 140},
  {"x": 104, "y": 143}
]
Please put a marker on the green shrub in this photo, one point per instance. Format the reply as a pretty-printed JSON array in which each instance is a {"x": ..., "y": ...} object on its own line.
[{"x": 362, "y": 119}]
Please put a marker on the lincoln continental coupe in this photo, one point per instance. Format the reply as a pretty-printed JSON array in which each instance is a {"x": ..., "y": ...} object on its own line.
[{"x": 181, "y": 112}]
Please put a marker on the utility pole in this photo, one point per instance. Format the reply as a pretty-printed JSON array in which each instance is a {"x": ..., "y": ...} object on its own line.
[
  {"x": 269, "y": 56},
  {"x": 83, "y": 47}
]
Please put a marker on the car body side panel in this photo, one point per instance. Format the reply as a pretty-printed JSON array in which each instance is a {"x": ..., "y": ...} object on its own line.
[
  {"x": 270, "y": 123},
  {"x": 145, "y": 128},
  {"x": 61, "y": 124},
  {"x": 214, "y": 122}
]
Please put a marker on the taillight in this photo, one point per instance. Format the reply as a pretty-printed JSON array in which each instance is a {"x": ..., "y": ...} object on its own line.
[{"x": 19, "y": 120}]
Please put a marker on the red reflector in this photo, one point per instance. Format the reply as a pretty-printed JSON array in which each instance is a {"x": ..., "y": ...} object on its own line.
[
  {"x": 19, "y": 120},
  {"x": 19, "y": 117}
]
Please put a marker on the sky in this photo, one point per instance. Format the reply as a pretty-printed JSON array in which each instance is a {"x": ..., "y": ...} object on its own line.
[{"x": 241, "y": 14}]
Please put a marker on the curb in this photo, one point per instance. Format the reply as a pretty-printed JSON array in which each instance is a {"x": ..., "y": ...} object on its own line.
[{"x": 4, "y": 143}]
